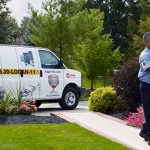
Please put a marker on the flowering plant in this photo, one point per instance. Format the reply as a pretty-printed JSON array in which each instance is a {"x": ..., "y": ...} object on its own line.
[
  {"x": 136, "y": 119},
  {"x": 11, "y": 104},
  {"x": 27, "y": 107},
  {"x": 31, "y": 102}
]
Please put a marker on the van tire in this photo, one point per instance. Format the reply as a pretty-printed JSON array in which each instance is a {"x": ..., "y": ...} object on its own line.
[
  {"x": 37, "y": 104},
  {"x": 70, "y": 96}
]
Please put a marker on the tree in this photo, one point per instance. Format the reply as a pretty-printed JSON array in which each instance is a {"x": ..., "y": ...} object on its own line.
[
  {"x": 26, "y": 31},
  {"x": 93, "y": 51},
  {"x": 121, "y": 20},
  {"x": 136, "y": 29},
  {"x": 9, "y": 29},
  {"x": 4, "y": 11},
  {"x": 115, "y": 20},
  {"x": 53, "y": 29},
  {"x": 138, "y": 43},
  {"x": 140, "y": 10},
  {"x": 145, "y": 9}
]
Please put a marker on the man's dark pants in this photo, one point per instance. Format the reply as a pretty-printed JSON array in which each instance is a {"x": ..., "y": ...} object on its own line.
[{"x": 145, "y": 96}]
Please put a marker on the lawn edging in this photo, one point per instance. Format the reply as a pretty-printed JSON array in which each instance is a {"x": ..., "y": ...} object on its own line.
[{"x": 111, "y": 117}]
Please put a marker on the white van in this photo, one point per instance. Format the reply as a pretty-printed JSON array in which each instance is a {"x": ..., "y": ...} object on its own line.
[{"x": 41, "y": 75}]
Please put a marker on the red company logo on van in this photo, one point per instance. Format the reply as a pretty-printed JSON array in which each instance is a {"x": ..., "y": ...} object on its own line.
[
  {"x": 53, "y": 81},
  {"x": 68, "y": 75}
]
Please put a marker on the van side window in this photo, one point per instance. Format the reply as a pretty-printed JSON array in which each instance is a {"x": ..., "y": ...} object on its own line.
[{"x": 48, "y": 60}]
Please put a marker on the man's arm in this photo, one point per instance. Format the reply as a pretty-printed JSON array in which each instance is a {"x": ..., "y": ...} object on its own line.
[
  {"x": 145, "y": 62},
  {"x": 148, "y": 69},
  {"x": 146, "y": 65}
]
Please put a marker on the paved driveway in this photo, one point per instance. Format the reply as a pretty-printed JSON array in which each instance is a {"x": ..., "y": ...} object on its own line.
[{"x": 46, "y": 109}]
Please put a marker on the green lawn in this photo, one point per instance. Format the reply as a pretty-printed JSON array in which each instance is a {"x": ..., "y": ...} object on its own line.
[
  {"x": 98, "y": 83},
  {"x": 53, "y": 137}
]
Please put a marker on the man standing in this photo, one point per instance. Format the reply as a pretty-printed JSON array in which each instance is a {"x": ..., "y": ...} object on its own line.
[{"x": 144, "y": 77}]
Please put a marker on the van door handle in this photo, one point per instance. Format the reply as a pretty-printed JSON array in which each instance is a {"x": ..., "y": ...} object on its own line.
[
  {"x": 41, "y": 73},
  {"x": 21, "y": 73}
]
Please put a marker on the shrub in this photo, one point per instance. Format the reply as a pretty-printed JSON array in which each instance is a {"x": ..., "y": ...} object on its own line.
[
  {"x": 136, "y": 119},
  {"x": 105, "y": 100},
  {"x": 5, "y": 104},
  {"x": 10, "y": 106},
  {"x": 2, "y": 92},
  {"x": 126, "y": 84}
]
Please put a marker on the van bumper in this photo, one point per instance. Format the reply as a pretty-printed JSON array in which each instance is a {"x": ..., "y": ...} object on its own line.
[{"x": 82, "y": 91}]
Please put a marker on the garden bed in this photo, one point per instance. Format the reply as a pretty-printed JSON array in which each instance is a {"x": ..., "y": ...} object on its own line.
[
  {"x": 30, "y": 119},
  {"x": 134, "y": 119},
  {"x": 121, "y": 115}
]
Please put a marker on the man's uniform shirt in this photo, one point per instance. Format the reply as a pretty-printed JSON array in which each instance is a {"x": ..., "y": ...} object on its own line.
[{"x": 144, "y": 61}]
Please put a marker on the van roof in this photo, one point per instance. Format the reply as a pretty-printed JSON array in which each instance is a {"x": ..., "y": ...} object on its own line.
[{"x": 21, "y": 46}]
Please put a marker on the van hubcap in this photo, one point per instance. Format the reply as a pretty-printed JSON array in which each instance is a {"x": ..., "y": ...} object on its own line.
[{"x": 70, "y": 98}]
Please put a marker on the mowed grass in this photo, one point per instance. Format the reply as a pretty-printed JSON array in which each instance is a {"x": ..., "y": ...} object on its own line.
[
  {"x": 53, "y": 137},
  {"x": 98, "y": 83}
]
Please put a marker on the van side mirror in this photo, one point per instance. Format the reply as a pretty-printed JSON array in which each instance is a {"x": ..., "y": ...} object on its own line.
[{"x": 61, "y": 62}]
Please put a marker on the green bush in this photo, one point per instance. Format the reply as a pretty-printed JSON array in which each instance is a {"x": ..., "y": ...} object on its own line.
[{"x": 105, "y": 100}]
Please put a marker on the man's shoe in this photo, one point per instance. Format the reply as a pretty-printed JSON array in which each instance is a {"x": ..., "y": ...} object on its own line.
[
  {"x": 148, "y": 141},
  {"x": 144, "y": 135},
  {"x": 148, "y": 134}
]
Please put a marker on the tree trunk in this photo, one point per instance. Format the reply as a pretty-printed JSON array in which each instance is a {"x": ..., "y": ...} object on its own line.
[
  {"x": 92, "y": 84},
  {"x": 60, "y": 50},
  {"x": 104, "y": 84}
]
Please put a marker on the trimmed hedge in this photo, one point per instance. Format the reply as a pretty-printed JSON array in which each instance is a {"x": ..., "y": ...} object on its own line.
[{"x": 105, "y": 100}]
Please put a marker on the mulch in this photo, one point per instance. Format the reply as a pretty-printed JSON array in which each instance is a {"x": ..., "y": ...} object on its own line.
[{"x": 30, "y": 119}]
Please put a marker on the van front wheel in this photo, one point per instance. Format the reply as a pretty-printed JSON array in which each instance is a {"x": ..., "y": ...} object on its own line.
[{"x": 70, "y": 99}]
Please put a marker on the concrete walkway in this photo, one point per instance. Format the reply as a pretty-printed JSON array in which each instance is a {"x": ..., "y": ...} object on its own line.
[{"x": 101, "y": 125}]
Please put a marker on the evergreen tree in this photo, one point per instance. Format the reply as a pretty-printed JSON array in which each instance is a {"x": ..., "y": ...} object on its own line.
[
  {"x": 115, "y": 20},
  {"x": 26, "y": 31},
  {"x": 53, "y": 29},
  {"x": 121, "y": 19},
  {"x": 9, "y": 29},
  {"x": 145, "y": 9}
]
